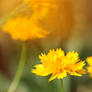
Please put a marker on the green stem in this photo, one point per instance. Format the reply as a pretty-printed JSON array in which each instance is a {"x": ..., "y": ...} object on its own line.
[
  {"x": 61, "y": 85},
  {"x": 19, "y": 71}
]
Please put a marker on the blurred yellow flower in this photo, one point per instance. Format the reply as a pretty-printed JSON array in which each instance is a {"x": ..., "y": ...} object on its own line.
[
  {"x": 55, "y": 16},
  {"x": 59, "y": 65},
  {"x": 24, "y": 28},
  {"x": 89, "y": 68}
]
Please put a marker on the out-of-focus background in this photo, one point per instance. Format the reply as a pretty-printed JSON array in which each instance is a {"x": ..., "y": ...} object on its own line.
[{"x": 76, "y": 34}]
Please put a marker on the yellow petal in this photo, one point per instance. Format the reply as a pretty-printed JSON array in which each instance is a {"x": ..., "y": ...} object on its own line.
[
  {"x": 74, "y": 73},
  {"x": 40, "y": 70},
  {"x": 79, "y": 65},
  {"x": 61, "y": 75},
  {"x": 89, "y": 60},
  {"x": 83, "y": 71},
  {"x": 60, "y": 52},
  {"x": 73, "y": 56},
  {"x": 89, "y": 68},
  {"x": 52, "y": 77}
]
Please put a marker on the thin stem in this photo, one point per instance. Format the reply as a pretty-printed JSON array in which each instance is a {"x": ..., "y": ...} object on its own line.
[
  {"x": 61, "y": 85},
  {"x": 19, "y": 71}
]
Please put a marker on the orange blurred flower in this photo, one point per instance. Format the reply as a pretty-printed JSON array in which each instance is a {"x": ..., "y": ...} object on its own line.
[
  {"x": 53, "y": 15},
  {"x": 24, "y": 28}
]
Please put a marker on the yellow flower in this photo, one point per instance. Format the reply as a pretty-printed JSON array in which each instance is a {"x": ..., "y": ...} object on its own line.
[
  {"x": 24, "y": 28},
  {"x": 59, "y": 65},
  {"x": 53, "y": 15},
  {"x": 89, "y": 68}
]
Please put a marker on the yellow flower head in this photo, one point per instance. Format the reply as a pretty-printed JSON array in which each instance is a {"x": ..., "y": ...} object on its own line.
[
  {"x": 59, "y": 65},
  {"x": 89, "y": 68},
  {"x": 53, "y": 15},
  {"x": 24, "y": 28}
]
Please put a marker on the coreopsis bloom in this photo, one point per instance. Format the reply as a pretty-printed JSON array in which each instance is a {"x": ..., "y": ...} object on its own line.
[
  {"x": 24, "y": 28},
  {"x": 89, "y": 68},
  {"x": 59, "y": 65},
  {"x": 55, "y": 16},
  {"x": 51, "y": 13}
]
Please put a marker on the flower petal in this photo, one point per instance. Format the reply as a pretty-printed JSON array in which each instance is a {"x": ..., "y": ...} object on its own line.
[
  {"x": 89, "y": 60},
  {"x": 61, "y": 75},
  {"x": 73, "y": 56},
  {"x": 52, "y": 77},
  {"x": 40, "y": 70}
]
